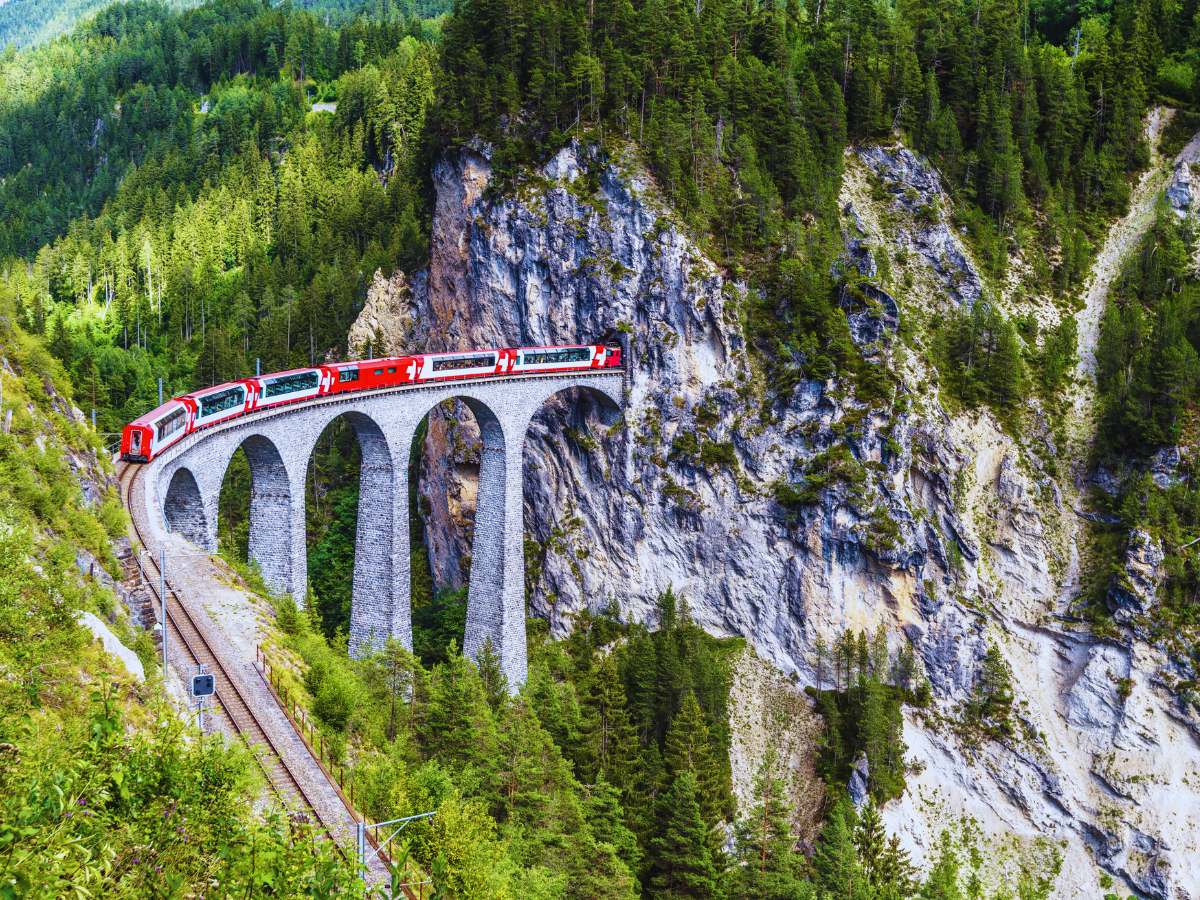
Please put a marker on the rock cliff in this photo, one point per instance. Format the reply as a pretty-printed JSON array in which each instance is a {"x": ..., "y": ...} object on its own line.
[{"x": 955, "y": 534}]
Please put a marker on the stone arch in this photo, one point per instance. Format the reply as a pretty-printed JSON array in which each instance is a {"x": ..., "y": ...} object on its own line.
[
  {"x": 567, "y": 452},
  {"x": 271, "y": 532},
  {"x": 183, "y": 508},
  {"x": 495, "y": 586},
  {"x": 376, "y": 612}
]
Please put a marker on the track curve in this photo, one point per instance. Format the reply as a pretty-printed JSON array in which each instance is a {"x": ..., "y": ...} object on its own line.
[{"x": 285, "y": 784}]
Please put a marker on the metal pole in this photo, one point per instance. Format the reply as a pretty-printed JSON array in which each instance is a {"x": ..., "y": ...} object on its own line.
[
  {"x": 257, "y": 371},
  {"x": 162, "y": 594},
  {"x": 160, "y": 392},
  {"x": 361, "y": 828},
  {"x": 93, "y": 420},
  {"x": 370, "y": 355}
]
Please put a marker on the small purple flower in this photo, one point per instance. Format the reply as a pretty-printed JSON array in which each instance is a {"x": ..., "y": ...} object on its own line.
[{"x": 136, "y": 861}]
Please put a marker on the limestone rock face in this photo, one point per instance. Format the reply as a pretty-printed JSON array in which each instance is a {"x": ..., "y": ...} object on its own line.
[
  {"x": 1180, "y": 191},
  {"x": 915, "y": 188},
  {"x": 387, "y": 324},
  {"x": 857, "y": 786},
  {"x": 1135, "y": 587},
  {"x": 950, "y": 531}
]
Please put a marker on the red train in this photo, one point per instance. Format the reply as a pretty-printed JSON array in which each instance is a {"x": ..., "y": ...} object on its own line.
[{"x": 148, "y": 436}]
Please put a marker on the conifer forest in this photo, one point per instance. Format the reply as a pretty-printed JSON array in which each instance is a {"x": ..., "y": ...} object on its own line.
[{"x": 884, "y": 581}]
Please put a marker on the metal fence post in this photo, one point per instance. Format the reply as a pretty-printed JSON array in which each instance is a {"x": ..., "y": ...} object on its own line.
[
  {"x": 361, "y": 828},
  {"x": 162, "y": 592}
]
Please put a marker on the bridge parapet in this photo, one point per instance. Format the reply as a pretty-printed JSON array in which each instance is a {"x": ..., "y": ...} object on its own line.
[{"x": 184, "y": 485}]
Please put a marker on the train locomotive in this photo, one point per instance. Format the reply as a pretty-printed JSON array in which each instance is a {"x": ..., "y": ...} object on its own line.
[{"x": 149, "y": 435}]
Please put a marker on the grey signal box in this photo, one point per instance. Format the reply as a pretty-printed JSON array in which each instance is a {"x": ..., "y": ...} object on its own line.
[{"x": 203, "y": 686}]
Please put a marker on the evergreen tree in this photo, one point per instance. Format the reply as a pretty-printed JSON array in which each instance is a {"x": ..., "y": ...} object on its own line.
[
  {"x": 609, "y": 744},
  {"x": 770, "y": 868},
  {"x": 495, "y": 682},
  {"x": 942, "y": 883},
  {"x": 458, "y": 729},
  {"x": 679, "y": 864},
  {"x": 836, "y": 869},
  {"x": 688, "y": 750},
  {"x": 607, "y": 820}
]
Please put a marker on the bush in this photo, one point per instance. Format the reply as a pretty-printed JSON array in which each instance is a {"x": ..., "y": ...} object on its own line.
[
  {"x": 1175, "y": 80},
  {"x": 721, "y": 454}
]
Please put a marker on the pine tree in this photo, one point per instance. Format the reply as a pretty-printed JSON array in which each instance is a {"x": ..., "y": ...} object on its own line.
[
  {"x": 609, "y": 743},
  {"x": 396, "y": 663},
  {"x": 770, "y": 869},
  {"x": 679, "y": 863},
  {"x": 458, "y": 729},
  {"x": 942, "y": 883},
  {"x": 836, "y": 870},
  {"x": 607, "y": 820},
  {"x": 688, "y": 750},
  {"x": 885, "y": 865},
  {"x": 495, "y": 682}
]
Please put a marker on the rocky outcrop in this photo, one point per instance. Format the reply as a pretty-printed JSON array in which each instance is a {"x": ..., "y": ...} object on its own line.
[
  {"x": 859, "y": 779},
  {"x": 1180, "y": 192},
  {"x": 915, "y": 188},
  {"x": 387, "y": 325},
  {"x": 1134, "y": 589}
]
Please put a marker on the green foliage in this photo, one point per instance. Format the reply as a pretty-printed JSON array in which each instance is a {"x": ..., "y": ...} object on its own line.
[
  {"x": 990, "y": 707},
  {"x": 979, "y": 356},
  {"x": 862, "y": 712},
  {"x": 838, "y": 464},
  {"x": 1147, "y": 367},
  {"x": 769, "y": 869}
]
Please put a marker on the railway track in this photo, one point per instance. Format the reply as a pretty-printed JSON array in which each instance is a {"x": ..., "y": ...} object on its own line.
[{"x": 184, "y": 630}]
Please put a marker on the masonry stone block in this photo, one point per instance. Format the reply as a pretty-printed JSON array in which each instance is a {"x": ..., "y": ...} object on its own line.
[{"x": 184, "y": 486}]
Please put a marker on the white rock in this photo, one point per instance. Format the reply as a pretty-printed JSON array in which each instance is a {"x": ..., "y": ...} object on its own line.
[{"x": 112, "y": 644}]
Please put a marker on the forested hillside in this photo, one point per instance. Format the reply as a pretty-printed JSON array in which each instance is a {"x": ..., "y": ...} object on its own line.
[{"x": 172, "y": 207}]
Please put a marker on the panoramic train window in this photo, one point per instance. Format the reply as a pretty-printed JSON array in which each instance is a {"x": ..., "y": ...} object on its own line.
[
  {"x": 169, "y": 424},
  {"x": 463, "y": 362},
  {"x": 221, "y": 401},
  {"x": 345, "y": 375},
  {"x": 542, "y": 357},
  {"x": 289, "y": 384}
]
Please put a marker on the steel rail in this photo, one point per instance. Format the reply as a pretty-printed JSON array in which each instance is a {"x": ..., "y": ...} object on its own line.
[{"x": 250, "y": 729}]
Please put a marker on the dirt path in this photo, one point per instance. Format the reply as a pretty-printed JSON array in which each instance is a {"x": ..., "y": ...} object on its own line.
[
  {"x": 1122, "y": 237},
  {"x": 1119, "y": 242}
]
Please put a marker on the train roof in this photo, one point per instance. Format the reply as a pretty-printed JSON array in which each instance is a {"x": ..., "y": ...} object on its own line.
[
  {"x": 157, "y": 413},
  {"x": 204, "y": 392},
  {"x": 368, "y": 362},
  {"x": 560, "y": 347},
  {"x": 285, "y": 372}
]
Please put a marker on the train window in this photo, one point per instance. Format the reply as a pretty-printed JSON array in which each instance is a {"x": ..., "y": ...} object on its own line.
[
  {"x": 345, "y": 375},
  {"x": 289, "y": 384},
  {"x": 170, "y": 423},
  {"x": 221, "y": 401},
  {"x": 380, "y": 371},
  {"x": 135, "y": 442},
  {"x": 463, "y": 362},
  {"x": 543, "y": 357},
  {"x": 391, "y": 370}
]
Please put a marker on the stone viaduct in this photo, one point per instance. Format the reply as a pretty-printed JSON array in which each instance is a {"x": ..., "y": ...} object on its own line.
[{"x": 183, "y": 488}]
